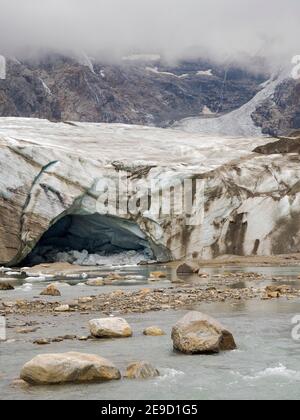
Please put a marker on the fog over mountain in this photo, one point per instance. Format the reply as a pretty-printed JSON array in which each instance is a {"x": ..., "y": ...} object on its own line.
[{"x": 175, "y": 29}]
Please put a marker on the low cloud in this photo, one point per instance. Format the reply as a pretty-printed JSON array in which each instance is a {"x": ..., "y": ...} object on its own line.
[{"x": 174, "y": 28}]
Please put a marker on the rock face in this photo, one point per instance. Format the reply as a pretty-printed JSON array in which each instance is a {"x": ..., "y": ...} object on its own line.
[
  {"x": 110, "y": 328},
  {"x": 247, "y": 203},
  {"x": 197, "y": 333},
  {"x": 52, "y": 369},
  {"x": 141, "y": 370},
  {"x": 64, "y": 88}
]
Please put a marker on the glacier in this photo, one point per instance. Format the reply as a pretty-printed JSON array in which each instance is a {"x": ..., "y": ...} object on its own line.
[
  {"x": 239, "y": 122},
  {"x": 49, "y": 173}
]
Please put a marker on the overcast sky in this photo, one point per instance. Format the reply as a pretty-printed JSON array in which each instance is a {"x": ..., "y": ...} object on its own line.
[{"x": 175, "y": 28}]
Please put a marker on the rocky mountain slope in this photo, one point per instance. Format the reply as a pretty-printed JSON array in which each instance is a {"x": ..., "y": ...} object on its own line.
[
  {"x": 135, "y": 91},
  {"x": 280, "y": 113},
  {"x": 274, "y": 110},
  {"x": 243, "y": 202}
]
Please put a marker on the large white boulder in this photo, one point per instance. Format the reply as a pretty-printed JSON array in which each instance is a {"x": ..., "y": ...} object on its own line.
[{"x": 51, "y": 369}]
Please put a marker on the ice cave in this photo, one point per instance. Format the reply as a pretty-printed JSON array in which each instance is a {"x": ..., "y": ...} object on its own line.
[{"x": 92, "y": 240}]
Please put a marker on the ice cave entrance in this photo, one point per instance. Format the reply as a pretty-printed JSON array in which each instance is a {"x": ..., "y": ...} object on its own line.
[{"x": 92, "y": 240}]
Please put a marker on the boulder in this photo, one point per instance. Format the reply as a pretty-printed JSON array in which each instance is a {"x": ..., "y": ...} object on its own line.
[
  {"x": 197, "y": 333},
  {"x": 62, "y": 308},
  {"x": 141, "y": 370},
  {"x": 158, "y": 275},
  {"x": 51, "y": 290},
  {"x": 51, "y": 369},
  {"x": 6, "y": 286},
  {"x": 110, "y": 328},
  {"x": 153, "y": 331},
  {"x": 27, "y": 213},
  {"x": 95, "y": 282},
  {"x": 186, "y": 269}
]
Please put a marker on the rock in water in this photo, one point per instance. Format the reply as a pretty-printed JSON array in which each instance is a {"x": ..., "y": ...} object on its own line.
[
  {"x": 141, "y": 370},
  {"x": 185, "y": 269},
  {"x": 198, "y": 333},
  {"x": 153, "y": 331},
  {"x": 51, "y": 369},
  {"x": 6, "y": 286},
  {"x": 62, "y": 308},
  {"x": 158, "y": 275},
  {"x": 110, "y": 328},
  {"x": 51, "y": 290}
]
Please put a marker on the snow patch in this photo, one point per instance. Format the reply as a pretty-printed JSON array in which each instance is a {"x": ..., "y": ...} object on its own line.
[
  {"x": 46, "y": 88},
  {"x": 166, "y": 73},
  {"x": 205, "y": 72}
]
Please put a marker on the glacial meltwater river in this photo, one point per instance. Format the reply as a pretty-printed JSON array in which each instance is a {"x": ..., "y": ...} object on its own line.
[{"x": 266, "y": 364}]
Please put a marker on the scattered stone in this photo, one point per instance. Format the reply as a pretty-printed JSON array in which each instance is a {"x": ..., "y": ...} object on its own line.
[
  {"x": 114, "y": 276},
  {"x": 197, "y": 333},
  {"x": 110, "y": 328},
  {"x": 57, "y": 340},
  {"x": 73, "y": 276},
  {"x": 62, "y": 308},
  {"x": 27, "y": 330},
  {"x": 83, "y": 338},
  {"x": 19, "y": 383},
  {"x": 158, "y": 275},
  {"x": 51, "y": 290},
  {"x": 186, "y": 269},
  {"x": 279, "y": 289},
  {"x": 141, "y": 370},
  {"x": 51, "y": 369},
  {"x": 153, "y": 331},
  {"x": 15, "y": 274},
  {"x": 6, "y": 286},
  {"x": 9, "y": 304},
  {"x": 95, "y": 282},
  {"x": 42, "y": 341},
  {"x": 86, "y": 299}
]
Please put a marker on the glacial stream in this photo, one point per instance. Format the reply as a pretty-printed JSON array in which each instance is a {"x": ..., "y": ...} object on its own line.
[{"x": 265, "y": 365}]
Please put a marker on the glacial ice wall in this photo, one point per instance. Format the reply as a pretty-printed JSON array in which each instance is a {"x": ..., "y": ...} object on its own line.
[{"x": 250, "y": 202}]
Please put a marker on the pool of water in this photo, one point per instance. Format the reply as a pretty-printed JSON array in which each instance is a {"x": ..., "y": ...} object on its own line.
[
  {"x": 265, "y": 365},
  {"x": 74, "y": 288}
]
